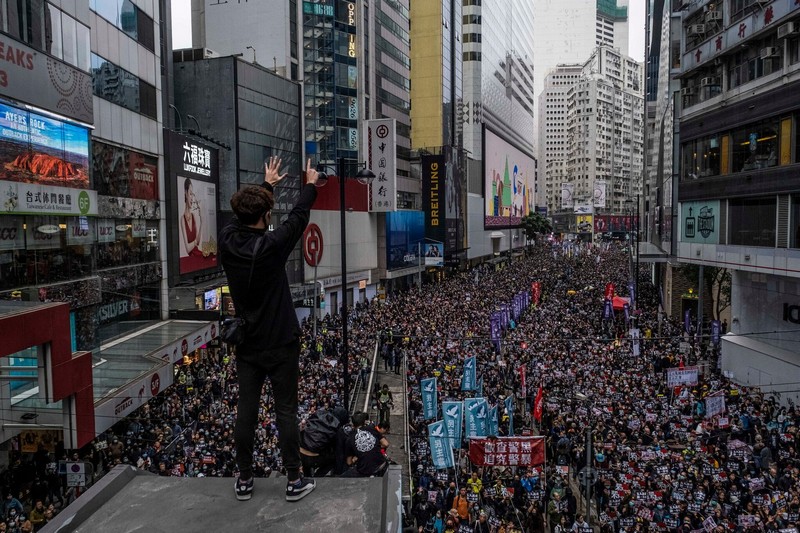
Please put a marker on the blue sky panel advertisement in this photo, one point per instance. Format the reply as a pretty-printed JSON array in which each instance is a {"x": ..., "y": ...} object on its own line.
[{"x": 405, "y": 230}]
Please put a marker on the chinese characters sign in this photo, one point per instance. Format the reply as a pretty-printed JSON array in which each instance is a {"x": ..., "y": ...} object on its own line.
[
  {"x": 382, "y": 153},
  {"x": 32, "y": 199},
  {"x": 682, "y": 376},
  {"x": 507, "y": 451}
]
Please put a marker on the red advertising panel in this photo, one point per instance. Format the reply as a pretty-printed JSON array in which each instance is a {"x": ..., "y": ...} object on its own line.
[{"x": 506, "y": 451}]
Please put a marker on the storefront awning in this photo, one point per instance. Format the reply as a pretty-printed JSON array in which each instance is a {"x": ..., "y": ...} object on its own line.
[{"x": 130, "y": 370}]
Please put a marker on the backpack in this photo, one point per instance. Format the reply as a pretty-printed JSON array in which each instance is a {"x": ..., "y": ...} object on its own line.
[{"x": 320, "y": 431}]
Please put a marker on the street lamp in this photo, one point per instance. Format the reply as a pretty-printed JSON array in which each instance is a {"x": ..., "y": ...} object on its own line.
[{"x": 365, "y": 176}]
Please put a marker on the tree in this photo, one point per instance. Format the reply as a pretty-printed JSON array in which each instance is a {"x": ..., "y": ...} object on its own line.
[
  {"x": 717, "y": 283},
  {"x": 535, "y": 224}
]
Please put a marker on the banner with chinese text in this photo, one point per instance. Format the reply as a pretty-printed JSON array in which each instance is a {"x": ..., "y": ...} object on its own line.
[{"x": 507, "y": 451}]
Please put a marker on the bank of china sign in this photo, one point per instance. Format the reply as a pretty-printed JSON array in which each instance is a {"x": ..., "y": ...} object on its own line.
[{"x": 33, "y": 199}]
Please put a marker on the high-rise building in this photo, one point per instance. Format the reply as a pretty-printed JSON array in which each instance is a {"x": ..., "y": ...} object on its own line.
[
  {"x": 739, "y": 189},
  {"x": 566, "y": 33},
  {"x": 498, "y": 73},
  {"x": 592, "y": 132},
  {"x": 553, "y": 138}
]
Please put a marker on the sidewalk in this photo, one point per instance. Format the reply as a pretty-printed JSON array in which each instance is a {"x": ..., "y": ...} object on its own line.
[{"x": 398, "y": 428}]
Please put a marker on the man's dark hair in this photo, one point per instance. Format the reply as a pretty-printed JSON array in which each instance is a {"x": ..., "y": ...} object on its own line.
[
  {"x": 359, "y": 419},
  {"x": 251, "y": 203}
]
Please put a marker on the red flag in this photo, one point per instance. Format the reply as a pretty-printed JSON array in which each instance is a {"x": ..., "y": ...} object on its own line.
[{"x": 538, "y": 404}]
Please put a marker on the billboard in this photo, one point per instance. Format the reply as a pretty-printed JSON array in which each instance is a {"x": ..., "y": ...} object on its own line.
[
  {"x": 433, "y": 199},
  {"x": 120, "y": 172},
  {"x": 41, "y": 150},
  {"x": 382, "y": 154},
  {"x": 567, "y": 192},
  {"x": 193, "y": 175},
  {"x": 699, "y": 222},
  {"x": 405, "y": 234},
  {"x": 599, "y": 199},
  {"x": 508, "y": 176},
  {"x": 455, "y": 206}
]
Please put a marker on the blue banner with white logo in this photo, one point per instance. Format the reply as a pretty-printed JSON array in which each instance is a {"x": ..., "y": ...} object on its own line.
[
  {"x": 716, "y": 330},
  {"x": 441, "y": 451},
  {"x": 480, "y": 387},
  {"x": 608, "y": 310},
  {"x": 495, "y": 329},
  {"x": 468, "y": 376},
  {"x": 506, "y": 316},
  {"x": 453, "y": 415},
  {"x": 429, "y": 398},
  {"x": 477, "y": 417},
  {"x": 687, "y": 321},
  {"x": 493, "y": 424},
  {"x": 632, "y": 291},
  {"x": 627, "y": 309},
  {"x": 509, "y": 401}
]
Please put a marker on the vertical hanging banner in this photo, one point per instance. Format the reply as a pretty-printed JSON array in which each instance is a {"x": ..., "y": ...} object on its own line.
[
  {"x": 509, "y": 402},
  {"x": 538, "y": 404},
  {"x": 441, "y": 451},
  {"x": 632, "y": 291},
  {"x": 480, "y": 387},
  {"x": 599, "y": 199},
  {"x": 433, "y": 196},
  {"x": 494, "y": 334},
  {"x": 635, "y": 336},
  {"x": 687, "y": 321},
  {"x": 716, "y": 329},
  {"x": 477, "y": 417},
  {"x": 469, "y": 377},
  {"x": 493, "y": 425},
  {"x": 523, "y": 385},
  {"x": 381, "y": 143},
  {"x": 608, "y": 310},
  {"x": 627, "y": 309},
  {"x": 429, "y": 399},
  {"x": 536, "y": 289},
  {"x": 453, "y": 415},
  {"x": 609, "y": 292}
]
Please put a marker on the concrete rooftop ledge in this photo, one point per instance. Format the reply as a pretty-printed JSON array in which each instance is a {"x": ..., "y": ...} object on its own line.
[{"x": 127, "y": 500}]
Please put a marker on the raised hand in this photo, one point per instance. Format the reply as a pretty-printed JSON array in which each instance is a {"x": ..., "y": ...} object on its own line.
[{"x": 271, "y": 170}]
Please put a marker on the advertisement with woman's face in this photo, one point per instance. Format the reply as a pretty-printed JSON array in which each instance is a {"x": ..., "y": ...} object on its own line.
[{"x": 197, "y": 223}]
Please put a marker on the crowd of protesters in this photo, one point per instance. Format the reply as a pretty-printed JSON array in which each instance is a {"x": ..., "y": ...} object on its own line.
[{"x": 661, "y": 463}]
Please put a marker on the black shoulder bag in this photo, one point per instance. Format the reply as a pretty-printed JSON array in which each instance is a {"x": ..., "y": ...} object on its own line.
[{"x": 234, "y": 328}]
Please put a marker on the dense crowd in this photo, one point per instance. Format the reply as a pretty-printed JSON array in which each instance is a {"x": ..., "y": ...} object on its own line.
[{"x": 661, "y": 463}]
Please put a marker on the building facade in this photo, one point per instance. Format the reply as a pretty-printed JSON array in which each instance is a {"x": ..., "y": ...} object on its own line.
[
  {"x": 739, "y": 190},
  {"x": 567, "y": 33}
]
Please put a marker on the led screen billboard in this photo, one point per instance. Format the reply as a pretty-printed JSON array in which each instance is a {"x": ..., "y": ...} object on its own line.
[
  {"x": 405, "y": 238},
  {"x": 42, "y": 150},
  {"x": 508, "y": 177}
]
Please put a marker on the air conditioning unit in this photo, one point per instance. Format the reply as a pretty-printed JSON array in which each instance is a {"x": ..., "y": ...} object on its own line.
[
  {"x": 710, "y": 81},
  {"x": 785, "y": 30},
  {"x": 714, "y": 16},
  {"x": 696, "y": 29},
  {"x": 687, "y": 91},
  {"x": 769, "y": 51}
]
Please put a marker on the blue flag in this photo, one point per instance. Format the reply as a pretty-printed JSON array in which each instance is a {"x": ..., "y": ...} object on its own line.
[
  {"x": 493, "y": 423},
  {"x": 716, "y": 330},
  {"x": 429, "y": 398},
  {"x": 495, "y": 331},
  {"x": 627, "y": 310},
  {"x": 632, "y": 291},
  {"x": 468, "y": 377},
  {"x": 480, "y": 387},
  {"x": 453, "y": 415},
  {"x": 441, "y": 451},
  {"x": 687, "y": 321},
  {"x": 477, "y": 417},
  {"x": 509, "y": 401}
]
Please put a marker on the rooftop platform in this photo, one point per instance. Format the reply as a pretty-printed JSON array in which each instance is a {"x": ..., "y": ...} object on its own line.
[{"x": 129, "y": 500}]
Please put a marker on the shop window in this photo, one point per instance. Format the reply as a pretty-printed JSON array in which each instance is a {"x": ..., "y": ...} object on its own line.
[
  {"x": 752, "y": 221},
  {"x": 755, "y": 146},
  {"x": 701, "y": 158},
  {"x": 794, "y": 222},
  {"x": 25, "y": 365}
]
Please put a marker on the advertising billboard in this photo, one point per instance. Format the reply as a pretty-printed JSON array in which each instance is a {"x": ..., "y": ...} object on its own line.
[
  {"x": 120, "y": 172},
  {"x": 508, "y": 175},
  {"x": 193, "y": 175},
  {"x": 382, "y": 159},
  {"x": 699, "y": 222},
  {"x": 433, "y": 198},
  {"x": 42, "y": 150},
  {"x": 405, "y": 233}
]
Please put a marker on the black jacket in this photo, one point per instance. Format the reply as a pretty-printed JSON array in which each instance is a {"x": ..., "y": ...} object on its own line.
[{"x": 267, "y": 303}]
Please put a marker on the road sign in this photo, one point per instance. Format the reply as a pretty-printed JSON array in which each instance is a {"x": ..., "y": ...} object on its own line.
[
  {"x": 312, "y": 245},
  {"x": 76, "y": 474}
]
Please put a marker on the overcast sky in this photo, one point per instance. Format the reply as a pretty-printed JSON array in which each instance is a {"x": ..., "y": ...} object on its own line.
[{"x": 182, "y": 27}]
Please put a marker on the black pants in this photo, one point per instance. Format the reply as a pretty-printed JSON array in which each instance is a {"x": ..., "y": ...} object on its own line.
[{"x": 282, "y": 367}]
